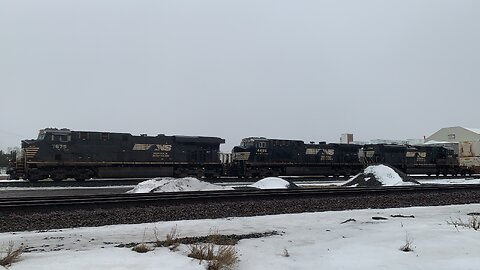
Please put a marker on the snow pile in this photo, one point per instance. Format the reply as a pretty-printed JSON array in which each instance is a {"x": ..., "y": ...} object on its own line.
[
  {"x": 169, "y": 184},
  {"x": 273, "y": 183},
  {"x": 381, "y": 175}
]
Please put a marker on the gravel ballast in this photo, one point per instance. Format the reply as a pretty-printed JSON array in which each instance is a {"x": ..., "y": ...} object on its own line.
[{"x": 57, "y": 219}]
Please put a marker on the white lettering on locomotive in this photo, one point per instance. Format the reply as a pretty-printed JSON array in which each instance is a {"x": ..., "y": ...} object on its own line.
[
  {"x": 329, "y": 152},
  {"x": 164, "y": 147},
  {"x": 147, "y": 146},
  {"x": 416, "y": 154},
  {"x": 60, "y": 146}
]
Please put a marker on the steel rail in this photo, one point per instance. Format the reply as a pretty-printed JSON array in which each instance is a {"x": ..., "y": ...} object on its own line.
[
  {"x": 134, "y": 181},
  {"x": 77, "y": 201}
]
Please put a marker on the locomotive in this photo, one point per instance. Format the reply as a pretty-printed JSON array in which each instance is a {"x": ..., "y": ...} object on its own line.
[
  {"x": 259, "y": 157},
  {"x": 62, "y": 153},
  {"x": 410, "y": 159}
]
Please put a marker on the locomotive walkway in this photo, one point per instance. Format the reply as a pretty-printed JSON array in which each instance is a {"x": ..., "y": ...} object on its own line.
[{"x": 42, "y": 213}]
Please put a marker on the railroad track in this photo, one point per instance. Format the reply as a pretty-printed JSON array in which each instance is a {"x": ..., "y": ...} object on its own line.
[
  {"x": 41, "y": 213},
  {"x": 125, "y": 198},
  {"x": 223, "y": 180}
]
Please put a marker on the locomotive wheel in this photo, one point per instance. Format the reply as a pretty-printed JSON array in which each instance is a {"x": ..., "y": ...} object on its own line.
[
  {"x": 34, "y": 178},
  {"x": 83, "y": 174},
  {"x": 57, "y": 176},
  {"x": 180, "y": 173},
  {"x": 199, "y": 174},
  {"x": 34, "y": 175}
]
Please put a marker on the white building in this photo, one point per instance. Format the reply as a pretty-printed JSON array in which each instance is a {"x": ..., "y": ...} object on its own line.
[
  {"x": 464, "y": 141},
  {"x": 455, "y": 134},
  {"x": 346, "y": 138}
]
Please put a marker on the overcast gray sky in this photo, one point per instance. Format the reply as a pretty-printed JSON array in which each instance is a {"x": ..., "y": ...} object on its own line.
[{"x": 300, "y": 69}]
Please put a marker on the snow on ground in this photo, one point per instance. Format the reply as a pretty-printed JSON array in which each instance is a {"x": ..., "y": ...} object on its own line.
[
  {"x": 313, "y": 240},
  {"x": 169, "y": 184},
  {"x": 271, "y": 183}
]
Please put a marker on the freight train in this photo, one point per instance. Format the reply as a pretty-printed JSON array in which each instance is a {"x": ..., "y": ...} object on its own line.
[{"x": 62, "y": 153}]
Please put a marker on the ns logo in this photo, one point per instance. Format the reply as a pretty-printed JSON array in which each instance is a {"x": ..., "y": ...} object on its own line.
[{"x": 154, "y": 147}]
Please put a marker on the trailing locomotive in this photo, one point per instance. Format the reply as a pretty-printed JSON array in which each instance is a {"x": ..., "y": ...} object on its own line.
[
  {"x": 62, "y": 153},
  {"x": 430, "y": 160},
  {"x": 259, "y": 157}
]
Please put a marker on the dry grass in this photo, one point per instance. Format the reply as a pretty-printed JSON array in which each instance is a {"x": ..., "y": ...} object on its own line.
[
  {"x": 12, "y": 254},
  {"x": 407, "y": 247},
  {"x": 472, "y": 223},
  {"x": 171, "y": 239},
  {"x": 225, "y": 258},
  {"x": 202, "y": 251},
  {"x": 141, "y": 248},
  {"x": 217, "y": 256},
  {"x": 285, "y": 253}
]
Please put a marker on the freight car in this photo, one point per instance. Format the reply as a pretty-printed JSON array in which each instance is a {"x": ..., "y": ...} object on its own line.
[
  {"x": 430, "y": 160},
  {"x": 259, "y": 157},
  {"x": 62, "y": 153}
]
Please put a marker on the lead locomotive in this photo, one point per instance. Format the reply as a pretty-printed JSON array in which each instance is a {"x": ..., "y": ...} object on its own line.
[{"x": 62, "y": 153}]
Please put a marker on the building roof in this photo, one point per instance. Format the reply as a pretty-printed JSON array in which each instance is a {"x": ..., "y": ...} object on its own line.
[{"x": 476, "y": 130}]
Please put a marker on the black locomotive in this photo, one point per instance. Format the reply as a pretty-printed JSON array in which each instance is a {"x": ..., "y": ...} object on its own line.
[
  {"x": 63, "y": 153},
  {"x": 413, "y": 159},
  {"x": 258, "y": 157}
]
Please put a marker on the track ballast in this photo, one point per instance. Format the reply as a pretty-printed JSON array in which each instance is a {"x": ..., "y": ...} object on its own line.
[{"x": 45, "y": 213}]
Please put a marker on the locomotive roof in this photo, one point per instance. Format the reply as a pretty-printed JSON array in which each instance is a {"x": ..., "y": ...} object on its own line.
[
  {"x": 199, "y": 139},
  {"x": 178, "y": 138},
  {"x": 268, "y": 139}
]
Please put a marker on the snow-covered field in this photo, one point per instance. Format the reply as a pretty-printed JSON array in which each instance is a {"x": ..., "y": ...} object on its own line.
[{"x": 312, "y": 240}]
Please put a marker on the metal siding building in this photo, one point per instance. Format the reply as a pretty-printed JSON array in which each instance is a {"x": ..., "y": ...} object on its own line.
[
  {"x": 465, "y": 142},
  {"x": 455, "y": 134}
]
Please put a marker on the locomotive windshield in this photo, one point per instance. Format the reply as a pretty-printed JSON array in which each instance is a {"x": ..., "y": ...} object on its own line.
[
  {"x": 248, "y": 142},
  {"x": 49, "y": 134},
  {"x": 41, "y": 135}
]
